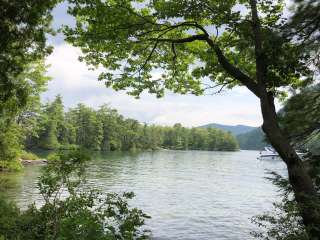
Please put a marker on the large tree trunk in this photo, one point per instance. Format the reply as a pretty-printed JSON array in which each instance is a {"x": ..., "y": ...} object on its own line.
[{"x": 300, "y": 180}]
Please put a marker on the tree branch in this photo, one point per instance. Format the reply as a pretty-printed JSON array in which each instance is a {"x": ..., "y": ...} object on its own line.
[
  {"x": 261, "y": 67},
  {"x": 233, "y": 70},
  {"x": 227, "y": 66},
  {"x": 192, "y": 38}
]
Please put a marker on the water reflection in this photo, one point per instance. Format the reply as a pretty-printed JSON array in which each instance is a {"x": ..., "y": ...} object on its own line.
[{"x": 189, "y": 194}]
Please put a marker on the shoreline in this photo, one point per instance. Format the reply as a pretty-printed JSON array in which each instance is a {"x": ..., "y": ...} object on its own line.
[{"x": 30, "y": 162}]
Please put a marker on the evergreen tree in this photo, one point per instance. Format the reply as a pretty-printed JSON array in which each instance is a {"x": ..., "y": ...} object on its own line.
[{"x": 105, "y": 129}]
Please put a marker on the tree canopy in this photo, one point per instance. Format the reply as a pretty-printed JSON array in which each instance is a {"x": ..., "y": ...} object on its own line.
[
  {"x": 23, "y": 47},
  {"x": 184, "y": 46},
  {"x": 18, "y": 120},
  {"x": 193, "y": 46},
  {"x": 300, "y": 117},
  {"x": 305, "y": 21},
  {"x": 23, "y": 29}
]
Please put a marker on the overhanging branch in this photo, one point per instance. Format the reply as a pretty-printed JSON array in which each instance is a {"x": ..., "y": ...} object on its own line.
[
  {"x": 181, "y": 40},
  {"x": 232, "y": 70}
]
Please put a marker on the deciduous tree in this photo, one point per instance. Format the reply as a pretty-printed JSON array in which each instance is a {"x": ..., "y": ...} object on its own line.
[{"x": 198, "y": 46}]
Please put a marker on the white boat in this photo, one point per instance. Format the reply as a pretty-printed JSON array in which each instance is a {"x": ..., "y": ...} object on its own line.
[{"x": 270, "y": 153}]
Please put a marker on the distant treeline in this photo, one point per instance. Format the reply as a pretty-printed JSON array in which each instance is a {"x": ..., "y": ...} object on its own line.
[{"x": 106, "y": 130}]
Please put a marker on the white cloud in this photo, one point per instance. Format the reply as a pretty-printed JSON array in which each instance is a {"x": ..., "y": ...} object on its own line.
[
  {"x": 76, "y": 84},
  {"x": 68, "y": 72}
]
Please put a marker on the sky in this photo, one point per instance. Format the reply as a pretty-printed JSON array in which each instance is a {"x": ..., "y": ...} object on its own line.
[{"x": 77, "y": 84}]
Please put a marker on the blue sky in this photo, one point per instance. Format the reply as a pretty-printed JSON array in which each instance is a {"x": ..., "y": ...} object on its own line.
[{"x": 77, "y": 84}]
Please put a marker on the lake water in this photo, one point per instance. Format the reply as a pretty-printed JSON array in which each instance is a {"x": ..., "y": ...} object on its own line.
[{"x": 190, "y": 195}]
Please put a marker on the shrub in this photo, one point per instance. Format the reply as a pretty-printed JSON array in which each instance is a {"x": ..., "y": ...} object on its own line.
[
  {"x": 12, "y": 165},
  {"x": 10, "y": 146},
  {"x": 28, "y": 156},
  {"x": 284, "y": 222},
  {"x": 71, "y": 210}
]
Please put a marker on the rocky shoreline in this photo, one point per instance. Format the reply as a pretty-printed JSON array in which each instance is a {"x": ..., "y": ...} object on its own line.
[{"x": 31, "y": 162}]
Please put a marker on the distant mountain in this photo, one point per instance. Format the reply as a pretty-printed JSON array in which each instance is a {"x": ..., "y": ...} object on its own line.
[
  {"x": 235, "y": 130},
  {"x": 249, "y": 138},
  {"x": 253, "y": 140}
]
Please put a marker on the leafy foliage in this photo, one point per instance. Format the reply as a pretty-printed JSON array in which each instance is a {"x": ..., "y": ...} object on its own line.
[
  {"x": 71, "y": 210},
  {"x": 190, "y": 43},
  {"x": 23, "y": 27},
  {"x": 300, "y": 118},
  {"x": 284, "y": 222},
  {"x": 28, "y": 155},
  {"x": 193, "y": 46},
  {"x": 304, "y": 26},
  {"x": 17, "y": 121},
  {"x": 10, "y": 146}
]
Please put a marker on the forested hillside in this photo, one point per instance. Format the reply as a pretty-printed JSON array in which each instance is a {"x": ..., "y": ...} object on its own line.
[
  {"x": 235, "y": 130},
  {"x": 105, "y": 129},
  {"x": 249, "y": 138},
  {"x": 253, "y": 140}
]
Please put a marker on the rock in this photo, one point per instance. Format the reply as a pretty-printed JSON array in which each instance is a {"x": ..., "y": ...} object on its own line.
[{"x": 38, "y": 161}]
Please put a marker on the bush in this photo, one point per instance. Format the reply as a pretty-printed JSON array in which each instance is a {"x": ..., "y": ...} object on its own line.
[
  {"x": 12, "y": 165},
  {"x": 285, "y": 222},
  {"x": 9, "y": 215},
  {"x": 71, "y": 210},
  {"x": 10, "y": 146},
  {"x": 28, "y": 156}
]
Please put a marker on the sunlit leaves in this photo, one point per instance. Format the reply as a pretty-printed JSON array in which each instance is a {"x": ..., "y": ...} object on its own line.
[
  {"x": 72, "y": 210},
  {"x": 123, "y": 37},
  {"x": 23, "y": 27},
  {"x": 135, "y": 43}
]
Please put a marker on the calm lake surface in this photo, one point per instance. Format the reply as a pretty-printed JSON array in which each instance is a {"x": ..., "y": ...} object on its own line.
[{"x": 190, "y": 195}]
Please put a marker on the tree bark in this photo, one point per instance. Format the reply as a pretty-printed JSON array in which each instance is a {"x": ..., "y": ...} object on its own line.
[
  {"x": 301, "y": 182},
  {"x": 299, "y": 179}
]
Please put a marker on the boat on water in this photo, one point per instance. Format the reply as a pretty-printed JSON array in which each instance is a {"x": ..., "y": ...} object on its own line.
[{"x": 271, "y": 153}]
